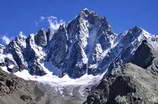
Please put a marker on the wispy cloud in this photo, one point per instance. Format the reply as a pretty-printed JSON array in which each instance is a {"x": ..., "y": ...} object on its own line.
[
  {"x": 5, "y": 39},
  {"x": 53, "y": 22},
  {"x": 21, "y": 34}
]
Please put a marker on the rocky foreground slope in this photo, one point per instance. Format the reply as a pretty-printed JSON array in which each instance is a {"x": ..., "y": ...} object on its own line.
[
  {"x": 14, "y": 90},
  {"x": 131, "y": 85}
]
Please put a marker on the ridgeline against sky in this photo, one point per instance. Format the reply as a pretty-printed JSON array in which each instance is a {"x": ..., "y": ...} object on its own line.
[{"x": 25, "y": 16}]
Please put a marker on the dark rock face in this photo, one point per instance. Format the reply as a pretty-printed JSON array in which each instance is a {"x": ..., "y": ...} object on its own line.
[
  {"x": 58, "y": 47},
  {"x": 36, "y": 69},
  {"x": 130, "y": 85},
  {"x": 41, "y": 38},
  {"x": 144, "y": 55}
]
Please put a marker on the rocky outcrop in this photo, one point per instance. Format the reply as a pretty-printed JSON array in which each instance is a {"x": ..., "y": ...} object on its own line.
[
  {"x": 130, "y": 85},
  {"x": 14, "y": 90}
]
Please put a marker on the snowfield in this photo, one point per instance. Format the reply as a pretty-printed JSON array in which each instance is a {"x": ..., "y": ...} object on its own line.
[
  {"x": 55, "y": 80},
  {"x": 64, "y": 86}
]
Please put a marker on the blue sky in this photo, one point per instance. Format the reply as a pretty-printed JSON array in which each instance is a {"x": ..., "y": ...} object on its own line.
[{"x": 22, "y": 15}]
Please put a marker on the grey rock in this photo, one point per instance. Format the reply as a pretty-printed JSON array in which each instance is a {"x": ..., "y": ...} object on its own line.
[
  {"x": 36, "y": 69},
  {"x": 130, "y": 85}
]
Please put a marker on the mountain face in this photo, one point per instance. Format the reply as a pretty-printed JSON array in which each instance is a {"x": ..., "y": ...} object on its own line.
[
  {"x": 87, "y": 44},
  {"x": 132, "y": 83}
]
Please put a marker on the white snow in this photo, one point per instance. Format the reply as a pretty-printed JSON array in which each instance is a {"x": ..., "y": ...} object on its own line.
[
  {"x": 152, "y": 39},
  {"x": 21, "y": 35},
  {"x": 3, "y": 56},
  {"x": 5, "y": 39},
  {"x": 84, "y": 59},
  {"x": 98, "y": 52},
  {"x": 2, "y": 59},
  {"x": 54, "y": 23},
  {"x": 11, "y": 66},
  {"x": 105, "y": 53},
  {"x": 93, "y": 66},
  {"x": 4, "y": 68},
  {"x": 84, "y": 32},
  {"x": 146, "y": 34},
  {"x": 21, "y": 40},
  {"x": 64, "y": 83},
  {"x": 55, "y": 80}
]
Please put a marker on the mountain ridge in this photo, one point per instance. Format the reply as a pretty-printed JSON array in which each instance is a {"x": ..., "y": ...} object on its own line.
[{"x": 87, "y": 44}]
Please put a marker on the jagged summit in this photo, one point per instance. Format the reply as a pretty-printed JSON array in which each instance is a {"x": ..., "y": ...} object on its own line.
[
  {"x": 92, "y": 16},
  {"x": 87, "y": 11},
  {"x": 87, "y": 44}
]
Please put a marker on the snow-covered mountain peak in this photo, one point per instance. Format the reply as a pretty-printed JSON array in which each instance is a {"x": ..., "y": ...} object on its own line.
[
  {"x": 85, "y": 12},
  {"x": 86, "y": 45}
]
